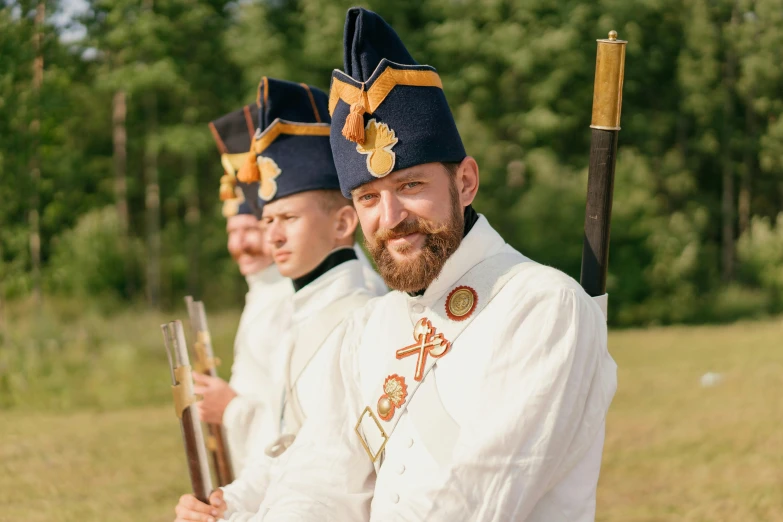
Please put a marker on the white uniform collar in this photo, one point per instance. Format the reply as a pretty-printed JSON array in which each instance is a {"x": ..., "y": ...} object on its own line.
[
  {"x": 342, "y": 280},
  {"x": 268, "y": 276},
  {"x": 481, "y": 242}
]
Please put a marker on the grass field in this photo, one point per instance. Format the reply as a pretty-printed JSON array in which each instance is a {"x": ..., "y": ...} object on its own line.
[{"x": 675, "y": 451}]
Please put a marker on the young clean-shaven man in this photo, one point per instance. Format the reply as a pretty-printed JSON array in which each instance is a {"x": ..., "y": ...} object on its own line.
[
  {"x": 248, "y": 404},
  {"x": 310, "y": 228},
  {"x": 478, "y": 389}
]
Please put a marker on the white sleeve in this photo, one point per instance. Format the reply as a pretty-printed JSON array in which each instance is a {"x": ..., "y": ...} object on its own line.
[
  {"x": 260, "y": 422},
  {"x": 252, "y": 418},
  {"x": 244, "y": 496},
  {"x": 549, "y": 385},
  {"x": 325, "y": 476},
  {"x": 239, "y": 419}
]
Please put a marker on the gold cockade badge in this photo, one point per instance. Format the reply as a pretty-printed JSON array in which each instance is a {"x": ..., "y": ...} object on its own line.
[
  {"x": 231, "y": 206},
  {"x": 268, "y": 171},
  {"x": 378, "y": 142}
]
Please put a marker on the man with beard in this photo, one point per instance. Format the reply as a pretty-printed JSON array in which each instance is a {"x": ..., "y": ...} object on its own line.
[
  {"x": 310, "y": 228},
  {"x": 478, "y": 389},
  {"x": 248, "y": 405}
]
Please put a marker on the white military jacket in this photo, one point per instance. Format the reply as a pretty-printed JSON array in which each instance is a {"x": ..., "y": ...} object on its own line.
[
  {"x": 372, "y": 280},
  {"x": 506, "y": 423},
  {"x": 255, "y": 375},
  {"x": 318, "y": 308}
]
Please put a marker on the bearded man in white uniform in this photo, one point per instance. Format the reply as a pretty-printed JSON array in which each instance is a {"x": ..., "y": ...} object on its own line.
[
  {"x": 310, "y": 229},
  {"x": 478, "y": 389}
]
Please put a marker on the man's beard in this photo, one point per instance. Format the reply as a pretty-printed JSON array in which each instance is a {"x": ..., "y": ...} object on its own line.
[
  {"x": 440, "y": 242},
  {"x": 250, "y": 250}
]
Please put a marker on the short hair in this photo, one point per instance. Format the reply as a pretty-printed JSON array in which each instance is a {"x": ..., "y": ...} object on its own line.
[
  {"x": 331, "y": 200},
  {"x": 451, "y": 166}
]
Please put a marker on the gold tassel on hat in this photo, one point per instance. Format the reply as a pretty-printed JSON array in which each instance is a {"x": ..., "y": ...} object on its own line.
[
  {"x": 249, "y": 173},
  {"x": 353, "y": 129},
  {"x": 227, "y": 186}
]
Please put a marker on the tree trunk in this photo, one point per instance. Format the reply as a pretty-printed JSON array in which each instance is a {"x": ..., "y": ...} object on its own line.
[
  {"x": 727, "y": 204},
  {"x": 152, "y": 201},
  {"x": 120, "y": 141},
  {"x": 747, "y": 174},
  {"x": 35, "y": 160},
  {"x": 193, "y": 222},
  {"x": 3, "y": 333}
]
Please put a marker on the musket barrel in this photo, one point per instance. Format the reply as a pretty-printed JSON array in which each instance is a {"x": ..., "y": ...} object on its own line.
[{"x": 605, "y": 127}]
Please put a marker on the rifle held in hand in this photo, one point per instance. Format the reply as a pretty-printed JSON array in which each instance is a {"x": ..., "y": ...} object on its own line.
[
  {"x": 206, "y": 363},
  {"x": 184, "y": 405}
]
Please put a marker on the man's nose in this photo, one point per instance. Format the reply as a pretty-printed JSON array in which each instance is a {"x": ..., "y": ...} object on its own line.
[
  {"x": 275, "y": 235},
  {"x": 392, "y": 211}
]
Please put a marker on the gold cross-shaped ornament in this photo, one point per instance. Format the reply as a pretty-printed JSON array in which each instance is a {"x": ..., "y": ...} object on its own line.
[{"x": 427, "y": 343}]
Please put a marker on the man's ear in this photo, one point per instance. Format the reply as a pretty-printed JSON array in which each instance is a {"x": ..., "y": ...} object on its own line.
[
  {"x": 467, "y": 179},
  {"x": 346, "y": 221}
]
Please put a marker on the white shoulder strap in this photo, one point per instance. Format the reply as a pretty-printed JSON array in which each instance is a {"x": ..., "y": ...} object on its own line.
[
  {"x": 429, "y": 410},
  {"x": 486, "y": 280},
  {"x": 309, "y": 339}
]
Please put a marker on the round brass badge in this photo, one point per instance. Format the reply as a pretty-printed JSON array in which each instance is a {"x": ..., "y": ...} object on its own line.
[{"x": 461, "y": 302}]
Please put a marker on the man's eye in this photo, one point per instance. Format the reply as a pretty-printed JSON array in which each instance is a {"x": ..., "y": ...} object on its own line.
[
  {"x": 412, "y": 184},
  {"x": 365, "y": 197}
]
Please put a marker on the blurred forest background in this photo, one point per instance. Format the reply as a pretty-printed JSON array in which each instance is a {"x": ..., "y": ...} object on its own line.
[
  {"x": 109, "y": 176},
  {"x": 109, "y": 215}
]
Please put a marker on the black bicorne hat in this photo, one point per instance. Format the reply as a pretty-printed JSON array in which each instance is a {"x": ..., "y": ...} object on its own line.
[
  {"x": 233, "y": 134},
  {"x": 291, "y": 145},
  {"x": 388, "y": 112}
]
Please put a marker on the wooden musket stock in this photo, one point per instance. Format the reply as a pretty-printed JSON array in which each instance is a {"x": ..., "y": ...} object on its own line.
[
  {"x": 182, "y": 389},
  {"x": 206, "y": 363}
]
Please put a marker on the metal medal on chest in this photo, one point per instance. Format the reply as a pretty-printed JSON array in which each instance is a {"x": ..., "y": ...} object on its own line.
[{"x": 461, "y": 303}]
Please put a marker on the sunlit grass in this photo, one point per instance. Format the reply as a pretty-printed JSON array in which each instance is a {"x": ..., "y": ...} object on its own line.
[
  {"x": 678, "y": 451},
  {"x": 119, "y": 466},
  {"x": 88, "y": 432},
  {"x": 71, "y": 355}
]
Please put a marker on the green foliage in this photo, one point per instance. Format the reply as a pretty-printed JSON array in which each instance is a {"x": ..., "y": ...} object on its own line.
[
  {"x": 761, "y": 252},
  {"x": 88, "y": 260},
  {"x": 701, "y": 102},
  {"x": 736, "y": 301}
]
